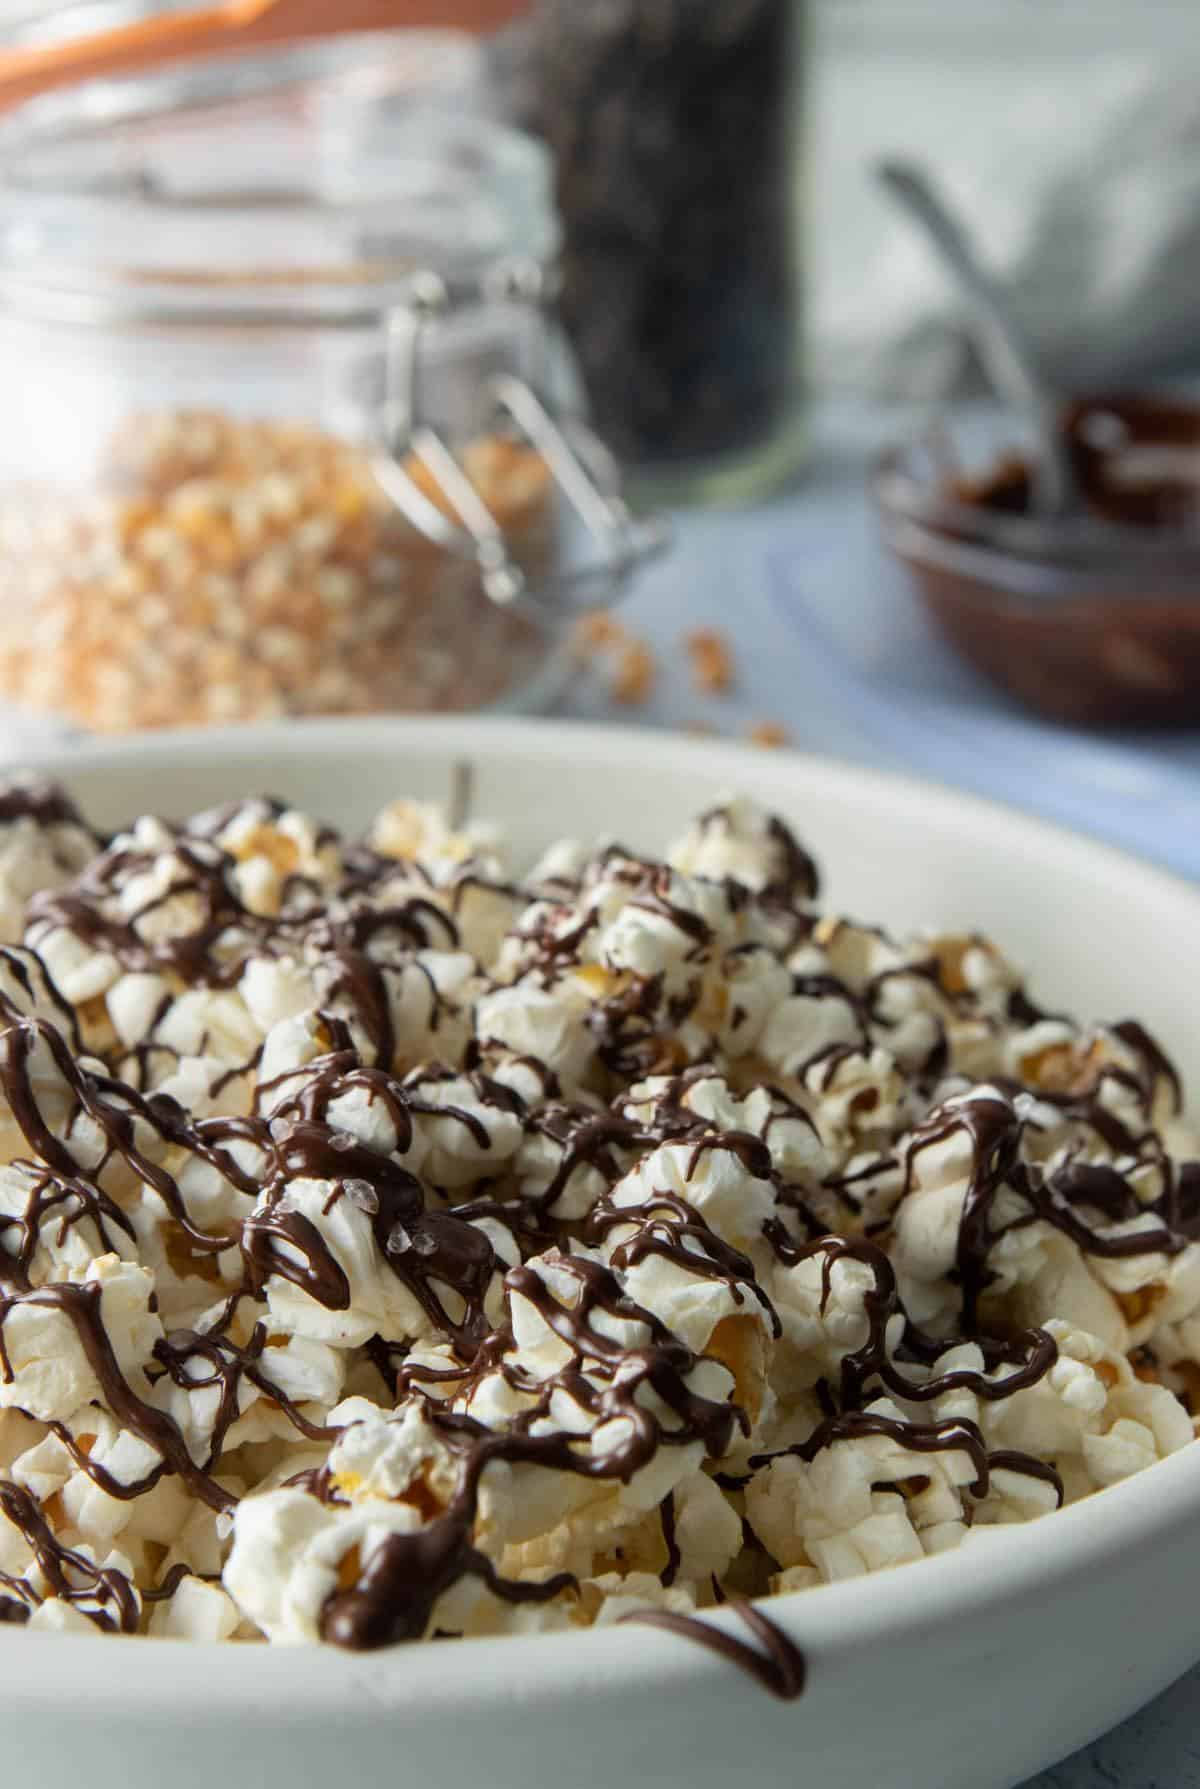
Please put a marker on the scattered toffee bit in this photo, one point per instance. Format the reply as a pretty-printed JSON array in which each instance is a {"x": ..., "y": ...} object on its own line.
[
  {"x": 780, "y": 1667},
  {"x": 598, "y": 630},
  {"x": 635, "y": 674},
  {"x": 711, "y": 660}
]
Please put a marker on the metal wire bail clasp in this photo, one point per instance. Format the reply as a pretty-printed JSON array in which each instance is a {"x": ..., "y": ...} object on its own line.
[{"x": 581, "y": 466}]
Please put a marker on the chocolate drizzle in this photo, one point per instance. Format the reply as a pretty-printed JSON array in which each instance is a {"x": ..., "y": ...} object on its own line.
[
  {"x": 47, "y": 804},
  {"x": 870, "y": 1369},
  {"x": 952, "y": 1434},
  {"x": 65, "y": 1199},
  {"x": 994, "y": 1131},
  {"x": 399, "y": 1584},
  {"x": 777, "y": 1663},
  {"x": 670, "y": 1571},
  {"x": 81, "y": 1305},
  {"x": 1151, "y": 1053},
  {"x": 668, "y": 1227},
  {"x": 403, "y": 1578},
  {"x": 995, "y": 1136},
  {"x": 114, "y": 1604}
]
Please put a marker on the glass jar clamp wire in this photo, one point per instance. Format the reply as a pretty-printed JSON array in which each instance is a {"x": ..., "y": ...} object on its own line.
[
  {"x": 289, "y": 384},
  {"x": 517, "y": 404}
]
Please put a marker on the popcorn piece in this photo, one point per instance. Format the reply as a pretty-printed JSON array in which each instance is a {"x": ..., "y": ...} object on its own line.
[
  {"x": 736, "y": 838},
  {"x": 196, "y": 1611},
  {"x": 49, "y": 1372},
  {"x": 43, "y": 844}
]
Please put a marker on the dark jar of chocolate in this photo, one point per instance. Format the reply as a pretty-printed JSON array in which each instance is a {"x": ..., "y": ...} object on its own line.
[{"x": 677, "y": 128}]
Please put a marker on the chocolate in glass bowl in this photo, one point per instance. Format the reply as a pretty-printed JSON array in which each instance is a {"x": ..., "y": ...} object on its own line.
[
  {"x": 1094, "y": 619},
  {"x": 1136, "y": 462}
]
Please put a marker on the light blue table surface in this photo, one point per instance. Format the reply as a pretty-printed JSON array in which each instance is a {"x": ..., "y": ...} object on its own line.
[{"x": 829, "y": 642}]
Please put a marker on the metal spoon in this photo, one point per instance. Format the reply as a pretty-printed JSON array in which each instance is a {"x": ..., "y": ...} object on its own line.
[{"x": 1005, "y": 349}]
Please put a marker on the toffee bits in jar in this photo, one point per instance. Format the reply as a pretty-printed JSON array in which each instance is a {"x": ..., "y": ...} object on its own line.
[{"x": 242, "y": 570}]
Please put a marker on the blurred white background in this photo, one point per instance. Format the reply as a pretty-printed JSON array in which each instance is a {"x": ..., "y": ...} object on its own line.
[{"x": 1069, "y": 130}]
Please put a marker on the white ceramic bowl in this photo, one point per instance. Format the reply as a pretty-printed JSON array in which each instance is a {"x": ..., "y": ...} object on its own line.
[{"x": 967, "y": 1671}]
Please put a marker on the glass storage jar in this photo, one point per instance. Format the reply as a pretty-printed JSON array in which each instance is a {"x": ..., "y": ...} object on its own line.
[
  {"x": 678, "y": 130},
  {"x": 289, "y": 428}
]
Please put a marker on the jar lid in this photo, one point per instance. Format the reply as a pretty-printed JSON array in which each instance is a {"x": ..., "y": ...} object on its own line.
[{"x": 179, "y": 192}]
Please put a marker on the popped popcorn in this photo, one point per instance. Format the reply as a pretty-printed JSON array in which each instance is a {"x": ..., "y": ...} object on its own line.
[{"x": 396, "y": 1246}]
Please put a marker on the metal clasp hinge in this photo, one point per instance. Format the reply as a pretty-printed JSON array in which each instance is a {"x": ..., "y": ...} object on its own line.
[{"x": 582, "y": 467}]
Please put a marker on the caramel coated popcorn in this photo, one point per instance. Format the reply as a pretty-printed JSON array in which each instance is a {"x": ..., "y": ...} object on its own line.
[
  {"x": 231, "y": 570},
  {"x": 396, "y": 1242}
]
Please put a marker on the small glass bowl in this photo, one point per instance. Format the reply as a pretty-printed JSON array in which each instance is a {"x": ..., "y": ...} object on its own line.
[{"x": 1087, "y": 621}]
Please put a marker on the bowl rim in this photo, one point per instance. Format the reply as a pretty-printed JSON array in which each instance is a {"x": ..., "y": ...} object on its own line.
[
  {"x": 995, "y": 1568},
  {"x": 1024, "y": 556}
]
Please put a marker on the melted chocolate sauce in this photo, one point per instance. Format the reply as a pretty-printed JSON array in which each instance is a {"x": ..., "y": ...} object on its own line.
[
  {"x": 995, "y": 1136},
  {"x": 1179, "y": 1206},
  {"x": 670, "y": 1571},
  {"x": 1157, "y": 1061},
  {"x": 45, "y": 803},
  {"x": 400, "y": 1582},
  {"x": 869, "y": 1368},
  {"x": 953, "y": 1433},
  {"x": 994, "y": 1131},
  {"x": 71, "y": 1577},
  {"x": 81, "y": 1305},
  {"x": 780, "y": 1668}
]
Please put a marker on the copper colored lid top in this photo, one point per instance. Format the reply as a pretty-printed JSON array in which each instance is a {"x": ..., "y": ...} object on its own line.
[{"x": 236, "y": 25}]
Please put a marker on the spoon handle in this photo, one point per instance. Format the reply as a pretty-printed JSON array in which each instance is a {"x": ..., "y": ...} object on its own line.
[{"x": 1007, "y": 353}]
